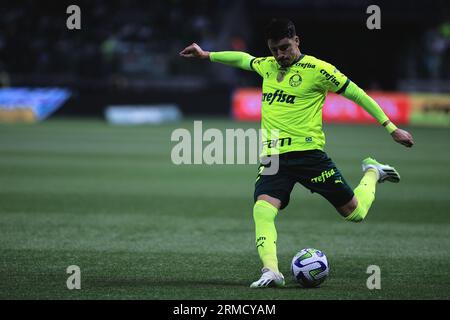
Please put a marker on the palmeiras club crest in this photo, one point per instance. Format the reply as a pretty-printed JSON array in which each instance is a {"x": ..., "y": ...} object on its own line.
[{"x": 295, "y": 80}]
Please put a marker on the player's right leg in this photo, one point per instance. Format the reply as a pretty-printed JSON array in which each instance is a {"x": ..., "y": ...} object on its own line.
[
  {"x": 365, "y": 192},
  {"x": 272, "y": 193},
  {"x": 264, "y": 213}
]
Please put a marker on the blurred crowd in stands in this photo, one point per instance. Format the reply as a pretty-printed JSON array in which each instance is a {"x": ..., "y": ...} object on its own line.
[
  {"x": 142, "y": 39},
  {"x": 126, "y": 36}
]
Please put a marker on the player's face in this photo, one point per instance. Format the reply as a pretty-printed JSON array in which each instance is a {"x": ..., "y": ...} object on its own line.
[{"x": 285, "y": 50}]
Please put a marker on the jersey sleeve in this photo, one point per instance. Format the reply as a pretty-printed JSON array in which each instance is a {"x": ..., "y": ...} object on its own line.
[
  {"x": 357, "y": 95},
  {"x": 260, "y": 65},
  {"x": 235, "y": 59},
  {"x": 329, "y": 78}
]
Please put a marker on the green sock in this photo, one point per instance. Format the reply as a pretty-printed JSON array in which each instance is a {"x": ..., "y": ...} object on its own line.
[
  {"x": 365, "y": 193},
  {"x": 266, "y": 235}
]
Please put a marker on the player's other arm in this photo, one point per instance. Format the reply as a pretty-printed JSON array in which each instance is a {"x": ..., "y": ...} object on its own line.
[
  {"x": 235, "y": 59},
  {"x": 331, "y": 79},
  {"x": 360, "y": 97}
]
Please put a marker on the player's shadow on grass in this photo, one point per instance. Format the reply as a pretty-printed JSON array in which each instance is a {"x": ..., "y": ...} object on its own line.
[
  {"x": 294, "y": 286},
  {"x": 151, "y": 282},
  {"x": 190, "y": 283}
]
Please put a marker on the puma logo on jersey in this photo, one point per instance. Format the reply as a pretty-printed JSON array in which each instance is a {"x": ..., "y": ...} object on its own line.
[{"x": 280, "y": 96}]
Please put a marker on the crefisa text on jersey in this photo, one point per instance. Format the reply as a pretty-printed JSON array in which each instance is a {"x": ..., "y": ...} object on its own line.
[
  {"x": 226, "y": 309},
  {"x": 282, "y": 97}
]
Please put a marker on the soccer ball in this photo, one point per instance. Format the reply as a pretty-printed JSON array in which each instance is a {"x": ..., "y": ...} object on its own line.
[{"x": 310, "y": 267}]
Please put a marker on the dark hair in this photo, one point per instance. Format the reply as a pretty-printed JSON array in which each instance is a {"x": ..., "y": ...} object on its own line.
[{"x": 278, "y": 29}]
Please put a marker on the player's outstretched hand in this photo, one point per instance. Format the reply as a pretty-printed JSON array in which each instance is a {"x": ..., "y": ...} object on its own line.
[
  {"x": 403, "y": 137},
  {"x": 194, "y": 51}
]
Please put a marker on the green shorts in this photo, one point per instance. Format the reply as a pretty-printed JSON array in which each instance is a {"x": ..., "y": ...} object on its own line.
[{"x": 313, "y": 169}]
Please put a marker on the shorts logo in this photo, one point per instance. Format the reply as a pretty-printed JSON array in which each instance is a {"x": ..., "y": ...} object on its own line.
[
  {"x": 295, "y": 80},
  {"x": 308, "y": 139},
  {"x": 260, "y": 170},
  {"x": 323, "y": 176}
]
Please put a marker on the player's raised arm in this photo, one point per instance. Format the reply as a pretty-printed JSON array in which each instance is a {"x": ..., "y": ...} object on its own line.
[
  {"x": 357, "y": 95},
  {"x": 235, "y": 59}
]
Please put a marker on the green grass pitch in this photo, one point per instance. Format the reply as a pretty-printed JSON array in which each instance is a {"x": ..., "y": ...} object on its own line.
[{"x": 109, "y": 199}]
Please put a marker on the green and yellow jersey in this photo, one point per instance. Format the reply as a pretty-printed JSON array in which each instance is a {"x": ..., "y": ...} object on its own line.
[
  {"x": 292, "y": 102},
  {"x": 293, "y": 98}
]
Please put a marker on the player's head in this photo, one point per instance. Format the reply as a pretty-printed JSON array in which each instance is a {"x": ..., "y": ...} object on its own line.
[{"x": 283, "y": 41}]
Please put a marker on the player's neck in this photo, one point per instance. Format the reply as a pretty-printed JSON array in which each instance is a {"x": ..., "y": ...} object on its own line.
[{"x": 296, "y": 59}]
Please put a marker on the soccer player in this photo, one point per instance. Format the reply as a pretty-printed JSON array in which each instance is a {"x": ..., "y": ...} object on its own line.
[{"x": 294, "y": 89}]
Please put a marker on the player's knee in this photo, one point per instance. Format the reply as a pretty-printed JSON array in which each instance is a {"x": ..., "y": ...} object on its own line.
[
  {"x": 348, "y": 208},
  {"x": 263, "y": 211},
  {"x": 273, "y": 201},
  {"x": 354, "y": 211},
  {"x": 357, "y": 215}
]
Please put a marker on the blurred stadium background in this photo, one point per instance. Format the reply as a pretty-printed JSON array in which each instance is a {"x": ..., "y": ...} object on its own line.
[{"x": 77, "y": 190}]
